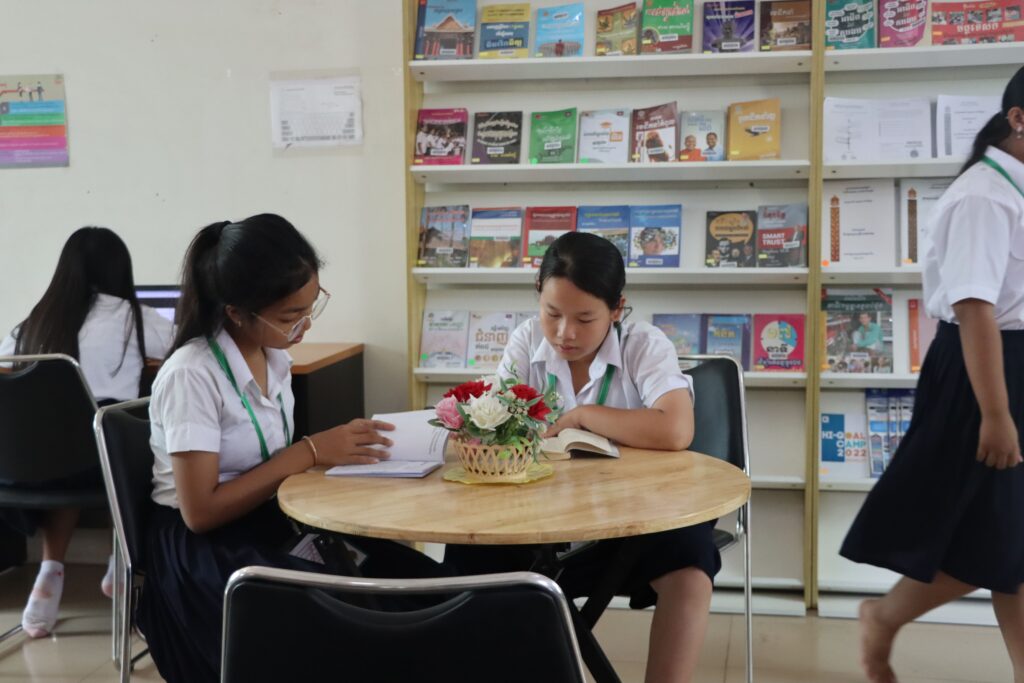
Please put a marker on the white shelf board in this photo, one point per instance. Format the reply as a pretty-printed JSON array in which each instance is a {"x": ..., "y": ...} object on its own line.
[
  {"x": 841, "y": 380},
  {"x": 860, "y": 587},
  {"x": 906, "y": 275},
  {"x": 777, "y": 483},
  {"x": 789, "y": 277},
  {"x": 926, "y": 168},
  {"x": 926, "y": 57},
  {"x": 774, "y": 380},
  {"x": 850, "y": 485},
  {"x": 750, "y": 379},
  {"x": 680, "y": 171},
  {"x": 966, "y": 612},
  {"x": 644, "y": 66}
]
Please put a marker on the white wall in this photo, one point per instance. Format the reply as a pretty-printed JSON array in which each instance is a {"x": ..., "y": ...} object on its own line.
[{"x": 168, "y": 113}]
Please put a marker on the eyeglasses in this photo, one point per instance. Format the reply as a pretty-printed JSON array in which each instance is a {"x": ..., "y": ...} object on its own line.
[{"x": 303, "y": 323}]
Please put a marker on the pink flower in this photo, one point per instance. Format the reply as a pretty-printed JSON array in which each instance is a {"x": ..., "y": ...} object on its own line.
[{"x": 448, "y": 412}]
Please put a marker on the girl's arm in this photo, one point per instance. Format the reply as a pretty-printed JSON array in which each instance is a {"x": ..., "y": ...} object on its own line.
[{"x": 665, "y": 426}]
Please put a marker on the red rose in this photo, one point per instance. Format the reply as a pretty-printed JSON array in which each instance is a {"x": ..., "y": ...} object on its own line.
[
  {"x": 524, "y": 392},
  {"x": 467, "y": 390},
  {"x": 539, "y": 411}
]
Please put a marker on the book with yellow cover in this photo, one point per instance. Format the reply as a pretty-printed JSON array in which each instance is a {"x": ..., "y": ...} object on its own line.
[{"x": 755, "y": 130}]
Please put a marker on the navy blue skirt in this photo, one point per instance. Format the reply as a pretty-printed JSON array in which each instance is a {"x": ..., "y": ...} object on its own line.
[{"x": 936, "y": 508}]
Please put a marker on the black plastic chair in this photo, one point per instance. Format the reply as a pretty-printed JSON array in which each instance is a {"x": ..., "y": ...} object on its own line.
[
  {"x": 284, "y": 625},
  {"x": 122, "y": 439},
  {"x": 720, "y": 430},
  {"x": 46, "y": 412}
]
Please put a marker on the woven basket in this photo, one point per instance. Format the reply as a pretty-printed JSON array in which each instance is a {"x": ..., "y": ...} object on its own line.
[{"x": 494, "y": 463}]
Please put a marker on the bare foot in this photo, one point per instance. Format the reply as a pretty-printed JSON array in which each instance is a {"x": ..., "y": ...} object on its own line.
[{"x": 875, "y": 644}]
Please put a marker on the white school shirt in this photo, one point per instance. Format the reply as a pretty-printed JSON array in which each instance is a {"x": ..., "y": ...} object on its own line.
[
  {"x": 101, "y": 343},
  {"x": 195, "y": 408},
  {"x": 976, "y": 232},
  {"x": 645, "y": 363}
]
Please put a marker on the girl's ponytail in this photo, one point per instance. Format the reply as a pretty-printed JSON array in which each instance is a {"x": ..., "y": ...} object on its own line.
[{"x": 200, "y": 313}]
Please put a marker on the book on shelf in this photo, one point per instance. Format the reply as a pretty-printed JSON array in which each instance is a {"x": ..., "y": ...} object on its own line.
[
  {"x": 542, "y": 225},
  {"x": 731, "y": 239},
  {"x": 755, "y": 130},
  {"x": 416, "y": 450},
  {"x": 655, "y": 235},
  {"x": 877, "y": 130},
  {"x": 666, "y": 26},
  {"x": 446, "y": 29},
  {"x": 781, "y": 235},
  {"x": 728, "y": 26},
  {"x": 844, "y": 446},
  {"x": 616, "y": 32},
  {"x": 876, "y": 402},
  {"x": 684, "y": 330},
  {"x": 778, "y": 342},
  {"x": 488, "y": 336},
  {"x": 905, "y": 399},
  {"x": 444, "y": 339},
  {"x": 922, "y": 332},
  {"x": 440, "y": 136},
  {"x": 902, "y": 23},
  {"x": 728, "y": 335},
  {"x": 559, "y": 31},
  {"x": 893, "y": 400},
  {"x": 495, "y": 238},
  {"x": 604, "y": 136},
  {"x": 702, "y": 136},
  {"x": 497, "y": 137},
  {"x": 505, "y": 31},
  {"x": 858, "y": 330},
  {"x": 857, "y": 222},
  {"x": 444, "y": 237},
  {"x": 785, "y": 25},
  {"x": 917, "y": 196},
  {"x": 609, "y": 222},
  {"x": 849, "y": 24},
  {"x": 654, "y": 131},
  {"x": 576, "y": 442},
  {"x": 553, "y": 137},
  {"x": 970, "y": 23},
  {"x": 957, "y": 121}
]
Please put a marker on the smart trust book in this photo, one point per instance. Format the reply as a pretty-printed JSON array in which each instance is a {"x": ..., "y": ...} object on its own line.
[
  {"x": 604, "y": 136},
  {"x": 728, "y": 26},
  {"x": 497, "y": 137},
  {"x": 785, "y": 25},
  {"x": 654, "y": 134},
  {"x": 858, "y": 230},
  {"x": 440, "y": 136},
  {"x": 755, "y": 130},
  {"x": 778, "y": 342},
  {"x": 849, "y": 24},
  {"x": 444, "y": 339},
  {"x": 504, "y": 31},
  {"x": 655, "y": 235},
  {"x": 781, "y": 235},
  {"x": 616, "y": 33},
  {"x": 446, "y": 30},
  {"x": 444, "y": 237},
  {"x": 488, "y": 336},
  {"x": 553, "y": 137},
  {"x": 609, "y": 222},
  {"x": 702, "y": 136},
  {"x": 728, "y": 335},
  {"x": 666, "y": 26},
  {"x": 730, "y": 239},
  {"x": 560, "y": 31},
  {"x": 495, "y": 238},
  {"x": 542, "y": 226},
  {"x": 684, "y": 330}
]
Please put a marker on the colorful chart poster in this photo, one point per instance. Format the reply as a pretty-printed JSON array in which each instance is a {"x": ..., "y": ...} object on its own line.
[{"x": 33, "y": 121}]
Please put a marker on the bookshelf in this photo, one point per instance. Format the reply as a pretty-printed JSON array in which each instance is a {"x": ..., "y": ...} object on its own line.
[
  {"x": 926, "y": 168},
  {"x": 635, "y": 277}
]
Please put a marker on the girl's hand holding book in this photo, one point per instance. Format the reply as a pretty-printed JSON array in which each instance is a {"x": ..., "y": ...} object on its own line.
[{"x": 350, "y": 444}]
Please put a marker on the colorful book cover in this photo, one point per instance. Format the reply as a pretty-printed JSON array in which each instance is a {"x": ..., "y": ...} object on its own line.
[
  {"x": 905, "y": 400},
  {"x": 858, "y": 330},
  {"x": 969, "y": 23},
  {"x": 785, "y": 25},
  {"x": 702, "y": 136},
  {"x": 849, "y": 24},
  {"x": 844, "y": 445},
  {"x": 877, "y": 404},
  {"x": 858, "y": 230},
  {"x": 609, "y": 222},
  {"x": 553, "y": 137},
  {"x": 604, "y": 136},
  {"x": 755, "y": 130},
  {"x": 654, "y": 134},
  {"x": 542, "y": 226},
  {"x": 655, "y": 235},
  {"x": 666, "y": 26},
  {"x": 917, "y": 197},
  {"x": 728, "y": 26},
  {"x": 505, "y": 31},
  {"x": 421, "y": 16},
  {"x": 488, "y": 337},
  {"x": 730, "y": 239},
  {"x": 440, "y": 136},
  {"x": 778, "y": 342},
  {"x": 922, "y": 332},
  {"x": 684, "y": 330},
  {"x": 444, "y": 237},
  {"x": 728, "y": 335},
  {"x": 449, "y": 29},
  {"x": 444, "y": 339},
  {"x": 901, "y": 23},
  {"x": 497, "y": 137},
  {"x": 893, "y": 399},
  {"x": 495, "y": 239},
  {"x": 617, "y": 31},
  {"x": 781, "y": 235},
  {"x": 560, "y": 31}
]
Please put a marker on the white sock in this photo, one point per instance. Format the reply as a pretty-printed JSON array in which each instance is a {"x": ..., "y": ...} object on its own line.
[
  {"x": 107, "y": 584},
  {"x": 40, "y": 614}
]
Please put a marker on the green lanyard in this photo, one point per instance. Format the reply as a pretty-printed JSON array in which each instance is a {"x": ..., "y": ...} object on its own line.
[
  {"x": 222, "y": 361},
  {"x": 1002, "y": 171},
  {"x": 606, "y": 383}
]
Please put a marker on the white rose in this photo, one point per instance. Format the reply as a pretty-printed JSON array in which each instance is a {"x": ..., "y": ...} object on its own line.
[{"x": 487, "y": 412}]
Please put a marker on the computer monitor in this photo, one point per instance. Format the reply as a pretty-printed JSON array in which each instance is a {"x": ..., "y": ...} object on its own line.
[{"x": 163, "y": 298}]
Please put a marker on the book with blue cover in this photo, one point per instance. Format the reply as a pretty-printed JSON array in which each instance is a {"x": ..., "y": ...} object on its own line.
[
  {"x": 505, "y": 31},
  {"x": 609, "y": 222},
  {"x": 446, "y": 29},
  {"x": 559, "y": 31},
  {"x": 728, "y": 335},
  {"x": 655, "y": 235},
  {"x": 684, "y": 330}
]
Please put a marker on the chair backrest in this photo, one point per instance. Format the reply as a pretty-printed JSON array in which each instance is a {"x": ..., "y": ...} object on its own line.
[
  {"x": 122, "y": 438},
  {"x": 288, "y": 625},
  {"x": 46, "y": 413},
  {"x": 719, "y": 411}
]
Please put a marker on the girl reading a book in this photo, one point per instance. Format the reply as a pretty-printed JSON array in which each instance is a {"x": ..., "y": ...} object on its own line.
[
  {"x": 222, "y": 438},
  {"x": 620, "y": 380},
  {"x": 948, "y": 513}
]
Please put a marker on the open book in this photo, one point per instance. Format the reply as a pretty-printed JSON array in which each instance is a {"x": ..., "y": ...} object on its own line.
[
  {"x": 416, "y": 451},
  {"x": 568, "y": 440}
]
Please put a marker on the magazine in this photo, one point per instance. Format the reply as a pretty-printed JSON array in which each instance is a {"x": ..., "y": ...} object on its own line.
[
  {"x": 609, "y": 222},
  {"x": 495, "y": 238},
  {"x": 728, "y": 26},
  {"x": 969, "y": 23},
  {"x": 655, "y": 236},
  {"x": 617, "y": 31},
  {"x": 785, "y": 25},
  {"x": 730, "y": 239},
  {"x": 542, "y": 226},
  {"x": 778, "y": 343},
  {"x": 684, "y": 330},
  {"x": 654, "y": 134},
  {"x": 858, "y": 330},
  {"x": 497, "y": 137},
  {"x": 560, "y": 31},
  {"x": 755, "y": 130},
  {"x": 488, "y": 337},
  {"x": 440, "y": 136},
  {"x": 702, "y": 136},
  {"x": 666, "y": 26},
  {"x": 553, "y": 137},
  {"x": 902, "y": 23},
  {"x": 729, "y": 335},
  {"x": 604, "y": 136},
  {"x": 448, "y": 29},
  {"x": 857, "y": 224},
  {"x": 504, "y": 31},
  {"x": 444, "y": 237},
  {"x": 444, "y": 339},
  {"x": 781, "y": 235},
  {"x": 849, "y": 24}
]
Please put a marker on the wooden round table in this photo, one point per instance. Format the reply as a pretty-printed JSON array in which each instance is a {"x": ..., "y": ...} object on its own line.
[{"x": 590, "y": 498}]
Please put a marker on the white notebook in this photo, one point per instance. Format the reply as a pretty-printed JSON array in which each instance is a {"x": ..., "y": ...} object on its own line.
[{"x": 417, "y": 449}]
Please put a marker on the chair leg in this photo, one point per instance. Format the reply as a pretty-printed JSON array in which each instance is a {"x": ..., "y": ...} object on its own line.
[
  {"x": 10, "y": 633},
  {"x": 115, "y": 611},
  {"x": 125, "y": 637},
  {"x": 748, "y": 600}
]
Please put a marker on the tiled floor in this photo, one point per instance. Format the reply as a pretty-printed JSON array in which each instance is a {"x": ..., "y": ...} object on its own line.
[{"x": 787, "y": 650}]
